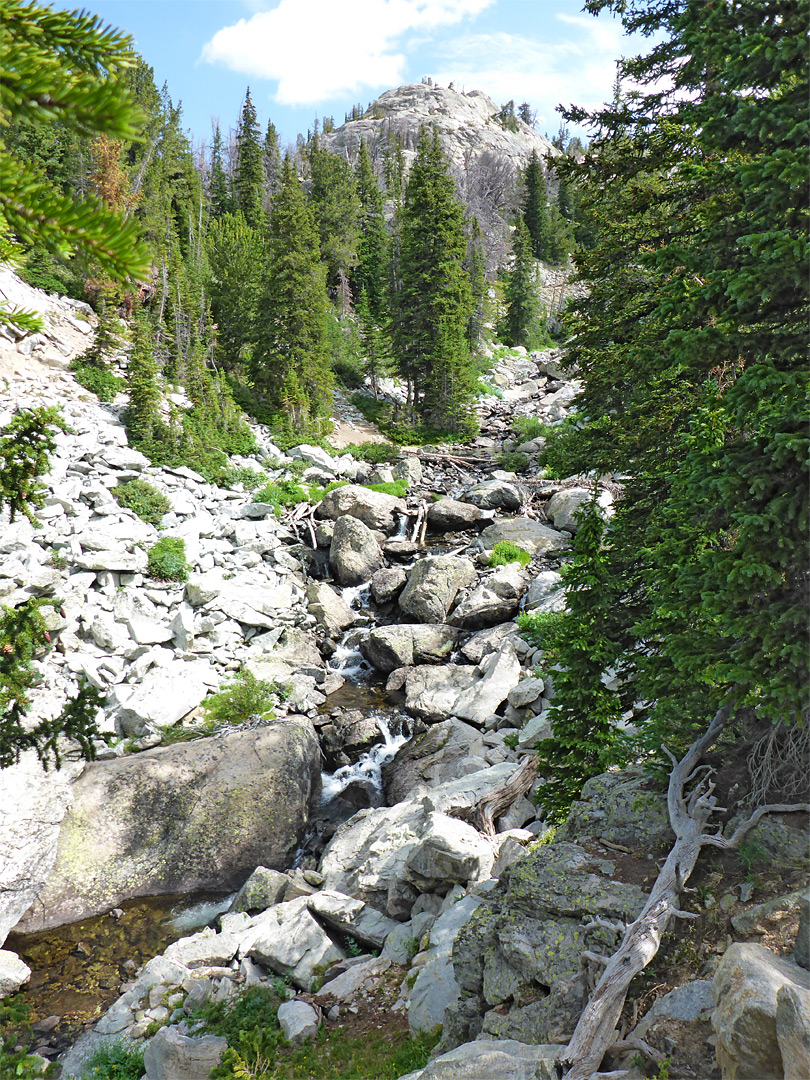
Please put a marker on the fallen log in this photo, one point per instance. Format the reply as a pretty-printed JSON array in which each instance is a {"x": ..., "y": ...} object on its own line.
[
  {"x": 482, "y": 815},
  {"x": 689, "y": 816}
]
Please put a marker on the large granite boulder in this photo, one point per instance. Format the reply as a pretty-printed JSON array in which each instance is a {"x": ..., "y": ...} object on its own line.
[
  {"x": 354, "y": 554},
  {"x": 471, "y": 693},
  {"x": 450, "y": 515},
  {"x": 374, "y": 508},
  {"x": 527, "y": 533},
  {"x": 433, "y": 585},
  {"x": 170, "y": 1055},
  {"x": 762, "y": 1015},
  {"x": 517, "y": 959},
  {"x": 493, "y": 1059},
  {"x": 493, "y": 495},
  {"x": 436, "y": 988},
  {"x": 443, "y": 752},
  {"x": 330, "y": 610},
  {"x": 184, "y": 818},
  {"x": 405, "y": 644},
  {"x": 623, "y": 807}
]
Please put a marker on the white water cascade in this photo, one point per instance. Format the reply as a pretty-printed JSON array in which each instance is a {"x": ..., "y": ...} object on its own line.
[{"x": 369, "y": 767}]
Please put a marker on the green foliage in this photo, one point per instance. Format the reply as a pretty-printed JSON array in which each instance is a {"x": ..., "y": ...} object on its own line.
[
  {"x": 26, "y": 444},
  {"x": 241, "y": 699},
  {"x": 527, "y": 428},
  {"x": 249, "y": 178},
  {"x": 97, "y": 380},
  {"x": 144, "y": 498},
  {"x": 523, "y": 322},
  {"x": 249, "y": 478},
  {"x": 15, "y": 1031},
  {"x": 505, "y": 552},
  {"x": 511, "y": 740},
  {"x": 397, "y": 488},
  {"x": 281, "y": 493},
  {"x": 336, "y": 205},
  {"x": 375, "y": 453},
  {"x": 395, "y": 427},
  {"x": 514, "y": 460},
  {"x": 117, "y": 1061},
  {"x": 167, "y": 560},
  {"x": 433, "y": 299},
  {"x": 64, "y": 68},
  {"x": 143, "y": 419},
  {"x": 486, "y": 390},
  {"x": 290, "y": 362},
  {"x": 236, "y": 256},
  {"x": 541, "y": 629}
]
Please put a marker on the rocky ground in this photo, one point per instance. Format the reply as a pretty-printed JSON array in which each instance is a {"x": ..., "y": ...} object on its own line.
[{"x": 481, "y": 934}]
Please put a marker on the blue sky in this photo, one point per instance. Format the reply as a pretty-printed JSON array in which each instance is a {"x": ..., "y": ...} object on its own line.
[{"x": 308, "y": 58}]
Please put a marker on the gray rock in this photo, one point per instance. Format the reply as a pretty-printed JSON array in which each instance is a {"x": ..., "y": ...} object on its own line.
[
  {"x": 409, "y": 468},
  {"x": 354, "y": 553},
  {"x": 760, "y": 916},
  {"x": 387, "y": 583},
  {"x": 345, "y": 985},
  {"x": 469, "y": 693},
  {"x": 190, "y": 817},
  {"x": 623, "y": 808},
  {"x": 298, "y": 1020},
  {"x": 746, "y": 987},
  {"x": 433, "y": 585},
  {"x": 483, "y": 607},
  {"x": 544, "y": 593},
  {"x": 172, "y": 1056},
  {"x": 488, "y": 641},
  {"x": 13, "y": 972},
  {"x": 448, "y": 852},
  {"x": 331, "y": 611},
  {"x": 436, "y": 988},
  {"x": 205, "y": 949},
  {"x": 562, "y": 509},
  {"x": 801, "y": 950},
  {"x": 526, "y": 692},
  {"x": 450, "y": 515},
  {"x": 391, "y": 647},
  {"x": 374, "y": 508},
  {"x": 793, "y": 1030},
  {"x": 315, "y": 455},
  {"x": 443, "y": 752},
  {"x": 352, "y": 917},
  {"x": 295, "y": 945},
  {"x": 493, "y": 495},
  {"x": 493, "y": 1059},
  {"x": 164, "y": 696},
  {"x": 690, "y": 1002},
  {"x": 528, "y": 534}
]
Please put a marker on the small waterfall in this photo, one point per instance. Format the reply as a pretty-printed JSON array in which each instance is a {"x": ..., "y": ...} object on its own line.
[
  {"x": 368, "y": 769},
  {"x": 402, "y": 527},
  {"x": 348, "y": 661},
  {"x": 356, "y": 596},
  {"x": 196, "y": 916}
]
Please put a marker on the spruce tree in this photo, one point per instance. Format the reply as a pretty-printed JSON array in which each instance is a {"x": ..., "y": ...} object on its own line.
[
  {"x": 143, "y": 411},
  {"x": 236, "y": 264},
  {"x": 535, "y": 209},
  {"x": 433, "y": 300},
  {"x": 219, "y": 189},
  {"x": 336, "y": 206},
  {"x": 289, "y": 366},
  {"x": 370, "y": 273},
  {"x": 249, "y": 180},
  {"x": 522, "y": 321},
  {"x": 476, "y": 268},
  {"x": 272, "y": 163}
]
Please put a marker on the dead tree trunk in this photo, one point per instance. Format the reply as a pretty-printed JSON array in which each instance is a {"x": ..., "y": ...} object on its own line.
[{"x": 689, "y": 816}]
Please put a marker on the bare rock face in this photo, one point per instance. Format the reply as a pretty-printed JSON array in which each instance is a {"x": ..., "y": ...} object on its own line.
[{"x": 183, "y": 818}]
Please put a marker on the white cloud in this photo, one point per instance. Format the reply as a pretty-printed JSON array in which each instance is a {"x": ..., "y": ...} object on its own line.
[
  {"x": 319, "y": 49},
  {"x": 579, "y": 69}
]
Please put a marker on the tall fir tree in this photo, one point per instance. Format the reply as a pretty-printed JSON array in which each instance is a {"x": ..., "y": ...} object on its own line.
[
  {"x": 219, "y": 188},
  {"x": 249, "y": 179},
  {"x": 143, "y": 411},
  {"x": 476, "y": 268},
  {"x": 290, "y": 366},
  {"x": 535, "y": 209},
  {"x": 236, "y": 265},
  {"x": 272, "y": 163},
  {"x": 433, "y": 301},
  {"x": 371, "y": 271},
  {"x": 336, "y": 206},
  {"x": 522, "y": 320}
]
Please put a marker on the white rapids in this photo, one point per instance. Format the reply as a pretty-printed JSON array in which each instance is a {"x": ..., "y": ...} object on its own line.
[{"x": 368, "y": 768}]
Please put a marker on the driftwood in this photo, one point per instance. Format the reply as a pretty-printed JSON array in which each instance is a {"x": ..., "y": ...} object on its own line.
[
  {"x": 421, "y": 516},
  {"x": 491, "y": 806},
  {"x": 689, "y": 816}
]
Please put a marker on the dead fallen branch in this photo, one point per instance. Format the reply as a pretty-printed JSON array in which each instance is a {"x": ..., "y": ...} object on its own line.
[
  {"x": 492, "y": 806},
  {"x": 689, "y": 816}
]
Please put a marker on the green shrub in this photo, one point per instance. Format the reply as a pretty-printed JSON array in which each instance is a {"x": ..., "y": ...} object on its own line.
[
  {"x": 395, "y": 426},
  {"x": 541, "y": 628},
  {"x": 16, "y": 1034},
  {"x": 486, "y": 389},
  {"x": 167, "y": 560},
  {"x": 240, "y": 699},
  {"x": 511, "y": 740},
  {"x": 249, "y": 478},
  {"x": 281, "y": 493},
  {"x": 144, "y": 498},
  {"x": 514, "y": 461},
  {"x": 527, "y": 428},
  {"x": 505, "y": 551},
  {"x": 375, "y": 453},
  {"x": 114, "y": 1062},
  {"x": 98, "y": 380},
  {"x": 397, "y": 488}
]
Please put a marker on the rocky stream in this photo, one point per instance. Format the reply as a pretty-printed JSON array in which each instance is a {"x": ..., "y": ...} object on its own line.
[{"x": 380, "y": 828}]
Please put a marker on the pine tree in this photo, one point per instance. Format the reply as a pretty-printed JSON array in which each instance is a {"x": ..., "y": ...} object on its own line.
[
  {"x": 370, "y": 273},
  {"x": 219, "y": 193},
  {"x": 143, "y": 411},
  {"x": 290, "y": 363},
  {"x": 249, "y": 180},
  {"x": 272, "y": 163},
  {"x": 535, "y": 209},
  {"x": 522, "y": 321},
  {"x": 336, "y": 206},
  {"x": 433, "y": 302},
  {"x": 476, "y": 268},
  {"x": 236, "y": 264}
]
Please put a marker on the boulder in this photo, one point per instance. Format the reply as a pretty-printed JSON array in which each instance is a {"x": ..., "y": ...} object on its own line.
[
  {"x": 13, "y": 972},
  {"x": 487, "y": 641},
  {"x": 493, "y": 495},
  {"x": 747, "y": 987},
  {"x": 391, "y": 647},
  {"x": 622, "y": 807},
  {"x": 544, "y": 593},
  {"x": 173, "y": 1056},
  {"x": 436, "y": 988},
  {"x": 387, "y": 583},
  {"x": 483, "y": 607},
  {"x": 528, "y": 534},
  {"x": 366, "y": 856},
  {"x": 530, "y": 930},
  {"x": 493, "y": 1059},
  {"x": 262, "y": 889},
  {"x": 450, "y": 515},
  {"x": 443, "y": 752},
  {"x": 345, "y": 984},
  {"x": 190, "y": 817},
  {"x": 205, "y": 949},
  {"x": 314, "y": 455},
  {"x": 469, "y": 693},
  {"x": 349, "y": 735},
  {"x": 409, "y": 468},
  {"x": 433, "y": 585},
  {"x": 330, "y": 610},
  {"x": 366, "y": 925},
  {"x": 374, "y": 508},
  {"x": 354, "y": 554},
  {"x": 164, "y": 695},
  {"x": 449, "y": 852},
  {"x": 298, "y": 1021},
  {"x": 564, "y": 507},
  {"x": 293, "y": 944},
  {"x": 793, "y": 1030}
]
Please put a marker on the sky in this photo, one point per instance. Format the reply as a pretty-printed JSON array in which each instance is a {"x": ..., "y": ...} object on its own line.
[{"x": 314, "y": 58}]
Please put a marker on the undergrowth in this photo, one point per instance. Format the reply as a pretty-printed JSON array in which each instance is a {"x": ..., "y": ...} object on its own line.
[
  {"x": 167, "y": 560},
  {"x": 144, "y": 499},
  {"x": 505, "y": 552},
  {"x": 97, "y": 380},
  {"x": 242, "y": 698}
]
